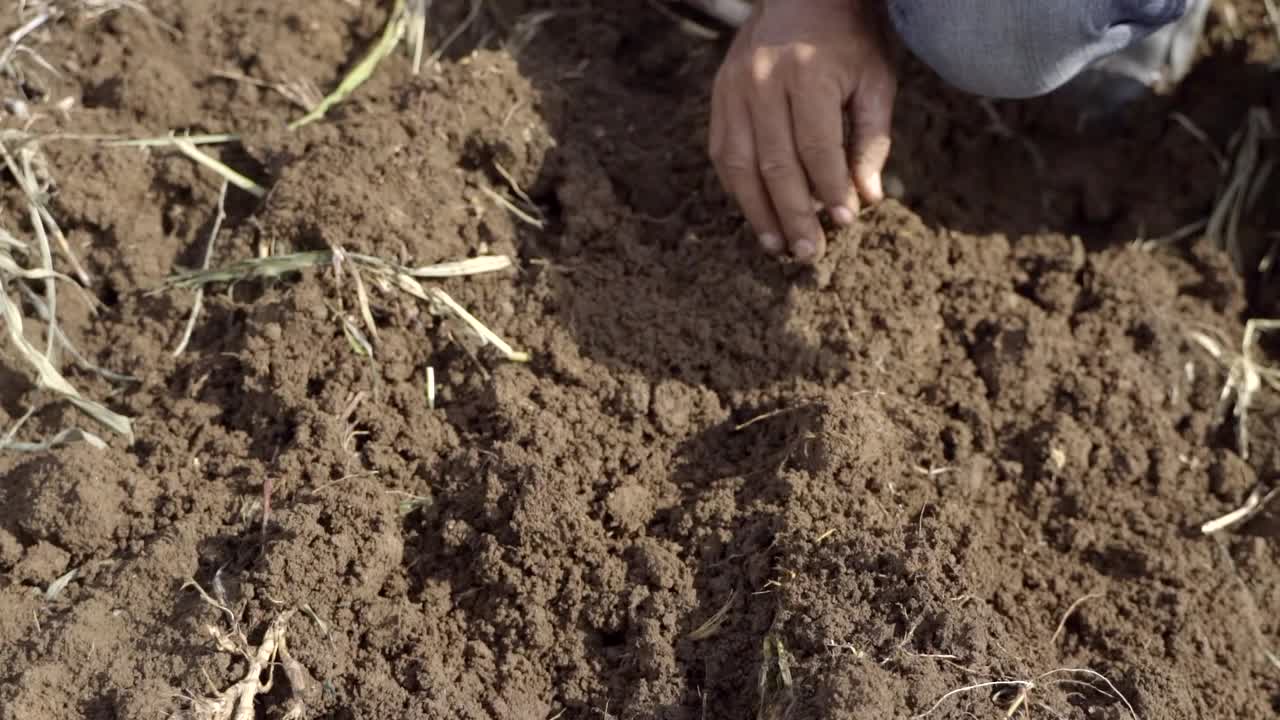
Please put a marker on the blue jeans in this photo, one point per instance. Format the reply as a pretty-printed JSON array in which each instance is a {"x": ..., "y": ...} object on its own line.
[{"x": 1026, "y": 48}]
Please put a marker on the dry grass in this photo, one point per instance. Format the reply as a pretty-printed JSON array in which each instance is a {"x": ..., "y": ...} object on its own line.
[
  {"x": 219, "y": 167},
  {"x": 514, "y": 209},
  {"x": 473, "y": 14},
  {"x": 776, "y": 693},
  {"x": 363, "y": 70},
  {"x": 37, "y": 281},
  {"x": 299, "y": 91},
  {"x": 19, "y": 59},
  {"x": 48, "y": 376},
  {"x": 1019, "y": 692},
  {"x": 1246, "y": 375},
  {"x": 1249, "y": 168},
  {"x": 27, "y": 165},
  {"x": 160, "y": 141},
  {"x": 29, "y": 268},
  {"x": 190, "y": 146},
  {"x": 1254, "y": 504},
  {"x": 198, "y": 302},
  {"x": 391, "y": 275},
  {"x": 1245, "y": 168},
  {"x": 417, "y": 31},
  {"x": 1062, "y": 624},
  {"x": 237, "y": 701},
  {"x": 713, "y": 624}
]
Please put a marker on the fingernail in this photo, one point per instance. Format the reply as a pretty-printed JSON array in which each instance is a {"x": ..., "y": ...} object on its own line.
[
  {"x": 804, "y": 249},
  {"x": 771, "y": 242},
  {"x": 876, "y": 186},
  {"x": 842, "y": 215}
]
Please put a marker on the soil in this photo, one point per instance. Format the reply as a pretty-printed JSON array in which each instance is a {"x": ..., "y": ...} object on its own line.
[{"x": 965, "y": 450}]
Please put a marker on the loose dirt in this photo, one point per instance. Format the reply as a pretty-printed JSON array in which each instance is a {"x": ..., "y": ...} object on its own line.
[{"x": 965, "y": 449}]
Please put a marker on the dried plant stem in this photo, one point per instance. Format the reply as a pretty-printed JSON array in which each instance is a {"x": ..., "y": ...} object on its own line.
[
  {"x": 472, "y": 15},
  {"x": 50, "y": 285},
  {"x": 1247, "y": 176},
  {"x": 1246, "y": 376},
  {"x": 402, "y": 277},
  {"x": 277, "y": 265},
  {"x": 217, "y": 166},
  {"x": 159, "y": 141},
  {"x": 417, "y": 10},
  {"x": 480, "y": 329},
  {"x": 48, "y": 376},
  {"x": 1062, "y": 624},
  {"x": 713, "y": 624},
  {"x": 64, "y": 437},
  {"x": 1025, "y": 687},
  {"x": 31, "y": 188},
  {"x": 43, "y": 311},
  {"x": 198, "y": 302},
  {"x": 362, "y": 70},
  {"x": 513, "y": 208},
  {"x": 1251, "y": 507}
]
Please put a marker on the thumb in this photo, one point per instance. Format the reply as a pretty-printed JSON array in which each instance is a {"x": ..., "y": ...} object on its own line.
[{"x": 872, "y": 109}]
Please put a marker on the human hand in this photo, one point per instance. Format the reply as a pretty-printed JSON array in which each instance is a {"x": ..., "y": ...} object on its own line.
[{"x": 777, "y": 117}]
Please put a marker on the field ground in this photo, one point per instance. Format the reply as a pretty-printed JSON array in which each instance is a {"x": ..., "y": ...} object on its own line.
[{"x": 964, "y": 450}]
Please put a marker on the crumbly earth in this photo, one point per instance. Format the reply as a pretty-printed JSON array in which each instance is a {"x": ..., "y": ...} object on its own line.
[{"x": 963, "y": 450}]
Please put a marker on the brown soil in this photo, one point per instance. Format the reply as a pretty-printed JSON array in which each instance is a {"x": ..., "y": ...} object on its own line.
[{"x": 981, "y": 408}]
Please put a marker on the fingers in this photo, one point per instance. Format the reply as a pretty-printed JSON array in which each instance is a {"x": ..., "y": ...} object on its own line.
[
  {"x": 817, "y": 112},
  {"x": 780, "y": 167},
  {"x": 777, "y": 140},
  {"x": 733, "y": 153},
  {"x": 872, "y": 108}
]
